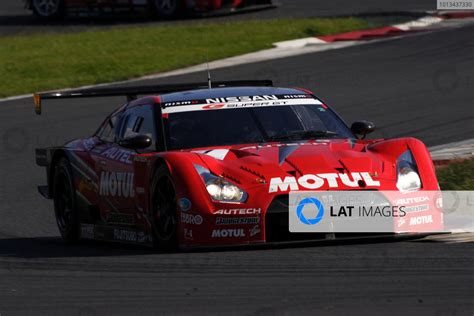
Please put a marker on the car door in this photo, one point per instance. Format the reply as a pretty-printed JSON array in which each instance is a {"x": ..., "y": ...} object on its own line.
[{"x": 115, "y": 166}]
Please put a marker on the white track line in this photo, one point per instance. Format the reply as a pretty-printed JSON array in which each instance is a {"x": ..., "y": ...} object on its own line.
[
  {"x": 453, "y": 238},
  {"x": 457, "y": 150},
  {"x": 423, "y": 22}
]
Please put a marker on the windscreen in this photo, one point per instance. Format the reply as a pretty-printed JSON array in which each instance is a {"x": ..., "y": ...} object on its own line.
[{"x": 219, "y": 127}]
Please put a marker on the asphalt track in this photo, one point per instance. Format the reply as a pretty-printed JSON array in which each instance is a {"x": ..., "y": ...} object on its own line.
[
  {"x": 14, "y": 19},
  {"x": 419, "y": 86}
]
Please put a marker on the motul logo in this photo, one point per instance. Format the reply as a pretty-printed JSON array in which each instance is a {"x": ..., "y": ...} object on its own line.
[
  {"x": 426, "y": 219},
  {"x": 316, "y": 181},
  {"x": 224, "y": 233},
  {"x": 116, "y": 184}
]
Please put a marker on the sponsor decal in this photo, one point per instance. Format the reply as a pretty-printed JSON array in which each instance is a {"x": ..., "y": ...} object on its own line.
[
  {"x": 191, "y": 219},
  {"x": 177, "y": 103},
  {"x": 252, "y": 101},
  {"x": 188, "y": 234},
  {"x": 86, "y": 185},
  {"x": 316, "y": 181},
  {"x": 118, "y": 184},
  {"x": 221, "y": 101},
  {"x": 243, "y": 99},
  {"x": 226, "y": 233},
  {"x": 213, "y": 106},
  {"x": 417, "y": 208},
  {"x": 256, "y": 104},
  {"x": 184, "y": 204},
  {"x": 139, "y": 158},
  {"x": 117, "y": 218},
  {"x": 131, "y": 236},
  {"x": 297, "y": 96},
  {"x": 125, "y": 235},
  {"x": 239, "y": 211},
  {"x": 237, "y": 220},
  {"x": 143, "y": 238},
  {"x": 401, "y": 222},
  {"x": 412, "y": 200},
  {"x": 419, "y": 220},
  {"x": 118, "y": 154},
  {"x": 254, "y": 231}
]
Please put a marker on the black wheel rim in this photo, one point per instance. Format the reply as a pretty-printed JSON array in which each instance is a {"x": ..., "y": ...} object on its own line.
[
  {"x": 64, "y": 203},
  {"x": 164, "y": 213}
]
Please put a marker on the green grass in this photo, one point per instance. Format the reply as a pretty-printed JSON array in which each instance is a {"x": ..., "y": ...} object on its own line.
[
  {"x": 39, "y": 62},
  {"x": 457, "y": 176}
]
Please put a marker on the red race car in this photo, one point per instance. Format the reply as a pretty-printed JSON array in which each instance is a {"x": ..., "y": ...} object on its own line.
[
  {"x": 196, "y": 165},
  {"x": 51, "y": 9}
]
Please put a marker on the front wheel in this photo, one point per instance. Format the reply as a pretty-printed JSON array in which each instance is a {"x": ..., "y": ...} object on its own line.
[
  {"x": 167, "y": 9},
  {"x": 48, "y": 9},
  {"x": 163, "y": 208},
  {"x": 65, "y": 209}
]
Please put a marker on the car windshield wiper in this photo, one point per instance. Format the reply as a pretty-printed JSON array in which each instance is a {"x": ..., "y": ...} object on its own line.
[{"x": 297, "y": 135}]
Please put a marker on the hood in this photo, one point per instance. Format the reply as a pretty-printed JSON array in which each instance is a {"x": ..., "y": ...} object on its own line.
[{"x": 321, "y": 164}]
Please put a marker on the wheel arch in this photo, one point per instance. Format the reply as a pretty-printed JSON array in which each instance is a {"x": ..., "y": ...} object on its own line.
[
  {"x": 57, "y": 155},
  {"x": 155, "y": 165}
]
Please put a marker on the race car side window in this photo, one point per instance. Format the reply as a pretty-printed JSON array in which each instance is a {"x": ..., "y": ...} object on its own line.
[
  {"x": 107, "y": 130},
  {"x": 137, "y": 120}
]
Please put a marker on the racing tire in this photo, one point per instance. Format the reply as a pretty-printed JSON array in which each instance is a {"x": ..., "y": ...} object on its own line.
[
  {"x": 163, "y": 206},
  {"x": 65, "y": 207},
  {"x": 48, "y": 9},
  {"x": 166, "y": 9}
]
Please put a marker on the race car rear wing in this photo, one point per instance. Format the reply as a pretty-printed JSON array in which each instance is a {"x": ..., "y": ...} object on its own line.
[{"x": 132, "y": 92}]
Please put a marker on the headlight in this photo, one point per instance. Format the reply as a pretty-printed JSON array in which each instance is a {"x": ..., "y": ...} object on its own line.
[
  {"x": 407, "y": 173},
  {"x": 220, "y": 189}
]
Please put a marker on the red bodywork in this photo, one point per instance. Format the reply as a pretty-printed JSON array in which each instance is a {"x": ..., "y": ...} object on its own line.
[{"x": 126, "y": 203}]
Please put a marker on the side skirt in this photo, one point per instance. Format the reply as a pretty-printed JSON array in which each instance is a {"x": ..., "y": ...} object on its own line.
[{"x": 115, "y": 234}]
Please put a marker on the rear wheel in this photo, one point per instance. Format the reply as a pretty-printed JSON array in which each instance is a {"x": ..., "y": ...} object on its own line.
[
  {"x": 167, "y": 9},
  {"x": 65, "y": 209},
  {"x": 163, "y": 205},
  {"x": 48, "y": 9}
]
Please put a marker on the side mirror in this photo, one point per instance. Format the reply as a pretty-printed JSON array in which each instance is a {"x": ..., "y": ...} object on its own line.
[
  {"x": 136, "y": 142},
  {"x": 362, "y": 128}
]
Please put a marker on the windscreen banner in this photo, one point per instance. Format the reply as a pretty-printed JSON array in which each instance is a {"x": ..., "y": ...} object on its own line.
[{"x": 381, "y": 211}]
